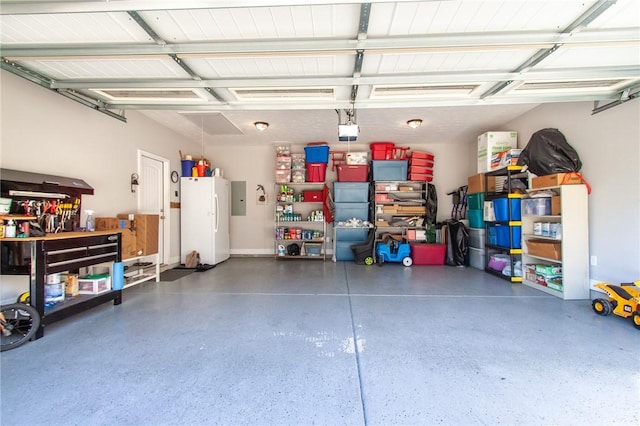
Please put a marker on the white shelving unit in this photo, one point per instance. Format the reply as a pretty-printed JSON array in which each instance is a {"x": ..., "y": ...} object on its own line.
[
  {"x": 302, "y": 208},
  {"x": 139, "y": 271},
  {"x": 574, "y": 242}
]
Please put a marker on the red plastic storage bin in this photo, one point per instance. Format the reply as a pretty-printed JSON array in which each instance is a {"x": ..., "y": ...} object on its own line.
[
  {"x": 316, "y": 172},
  {"x": 353, "y": 173},
  {"x": 312, "y": 196},
  {"x": 420, "y": 177},
  {"x": 428, "y": 254},
  {"x": 382, "y": 150},
  {"x": 420, "y": 170},
  {"x": 422, "y": 162},
  {"x": 422, "y": 154}
]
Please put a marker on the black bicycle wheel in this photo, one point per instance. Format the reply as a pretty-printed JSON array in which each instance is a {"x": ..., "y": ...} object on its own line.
[{"x": 19, "y": 323}]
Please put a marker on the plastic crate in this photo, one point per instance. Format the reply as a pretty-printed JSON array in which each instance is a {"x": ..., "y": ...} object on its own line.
[
  {"x": 351, "y": 192},
  {"x": 346, "y": 211},
  {"x": 389, "y": 169},
  {"x": 317, "y": 154},
  {"x": 316, "y": 172},
  {"x": 352, "y": 173},
  {"x": 382, "y": 150},
  {"x": 428, "y": 254},
  {"x": 501, "y": 209}
]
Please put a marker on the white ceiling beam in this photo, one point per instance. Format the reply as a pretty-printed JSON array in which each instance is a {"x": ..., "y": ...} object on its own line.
[
  {"x": 471, "y": 41},
  {"x": 368, "y": 104},
  {"x": 12, "y": 7},
  {"x": 448, "y": 77}
]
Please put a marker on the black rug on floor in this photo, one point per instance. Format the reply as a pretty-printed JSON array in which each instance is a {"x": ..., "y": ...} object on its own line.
[{"x": 174, "y": 274}]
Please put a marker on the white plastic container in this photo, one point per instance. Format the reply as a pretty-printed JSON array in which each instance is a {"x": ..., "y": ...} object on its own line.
[{"x": 10, "y": 229}]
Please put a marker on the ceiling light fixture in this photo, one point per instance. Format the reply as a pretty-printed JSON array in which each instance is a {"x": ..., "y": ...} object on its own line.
[
  {"x": 261, "y": 125},
  {"x": 415, "y": 123}
]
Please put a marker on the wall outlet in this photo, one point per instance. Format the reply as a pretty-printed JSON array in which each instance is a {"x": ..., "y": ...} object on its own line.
[{"x": 594, "y": 260}]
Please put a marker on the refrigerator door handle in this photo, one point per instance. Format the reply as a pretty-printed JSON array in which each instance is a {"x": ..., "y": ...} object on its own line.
[{"x": 217, "y": 212}]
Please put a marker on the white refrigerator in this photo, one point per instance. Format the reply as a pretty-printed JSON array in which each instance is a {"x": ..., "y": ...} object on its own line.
[{"x": 204, "y": 218}]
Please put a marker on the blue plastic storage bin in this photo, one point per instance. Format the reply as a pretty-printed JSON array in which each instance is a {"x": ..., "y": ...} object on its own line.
[
  {"x": 346, "y": 211},
  {"x": 389, "y": 169},
  {"x": 476, "y": 218},
  {"x": 502, "y": 236},
  {"x": 316, "y": 154},
  {"x": 352, "y": 234},
  {"x": 351, "y": 192},
  {"x": 501, "y": 209},
  {"x": 343, "y": 250}
]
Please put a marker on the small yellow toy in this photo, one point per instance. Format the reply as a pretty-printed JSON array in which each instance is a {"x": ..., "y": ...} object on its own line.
[{"x": 624, "y": 301}]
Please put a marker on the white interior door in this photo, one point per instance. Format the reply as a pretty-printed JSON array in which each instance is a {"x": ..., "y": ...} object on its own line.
[{"x": 153, "y": 196}]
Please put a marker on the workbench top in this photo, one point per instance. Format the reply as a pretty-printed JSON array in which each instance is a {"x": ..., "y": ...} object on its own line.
[{"x": 65, "y": 235}]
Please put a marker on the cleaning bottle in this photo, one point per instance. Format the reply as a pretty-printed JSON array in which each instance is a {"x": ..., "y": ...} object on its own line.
[{"x": 91, "y": 225}]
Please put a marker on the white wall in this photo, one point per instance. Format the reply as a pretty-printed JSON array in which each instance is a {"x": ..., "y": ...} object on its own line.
[
  {"x": 253, "y": 234},
  {"x": 609, "y": 146},
  {"x": 47, "y": 133}
]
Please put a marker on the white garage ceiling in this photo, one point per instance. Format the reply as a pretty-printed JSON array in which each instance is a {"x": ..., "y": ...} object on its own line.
[{"x": 461, "y": 66}]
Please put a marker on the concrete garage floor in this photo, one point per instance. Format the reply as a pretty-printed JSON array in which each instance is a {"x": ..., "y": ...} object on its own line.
[{"x": 265, "y": 342}]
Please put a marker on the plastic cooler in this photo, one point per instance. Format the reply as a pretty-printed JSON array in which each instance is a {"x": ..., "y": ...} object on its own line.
[
  {"x": 352, "y": 173},
  {"x": 316, "y": 172},
  {"x": 316, "y": 153},
  {"x": 382, "y": 150},
  {"x": 501, "y": 208}
]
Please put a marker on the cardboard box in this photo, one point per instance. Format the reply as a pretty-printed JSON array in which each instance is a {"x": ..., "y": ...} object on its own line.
[
  {"x": 107, "y": 223},
  {"x": 555, "y": 205},
  {"x": 556, "y": 179},
  {"x": 492, "y": 143},
  {"x": 505, "y": 158},
  {"x": 146, "y": 233},
  {"x": 129, "y": 244},
  {"x": 475, "y": 184},
  {"x": 530, "y": 272},
  {"x": 546, "y": 249}
]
